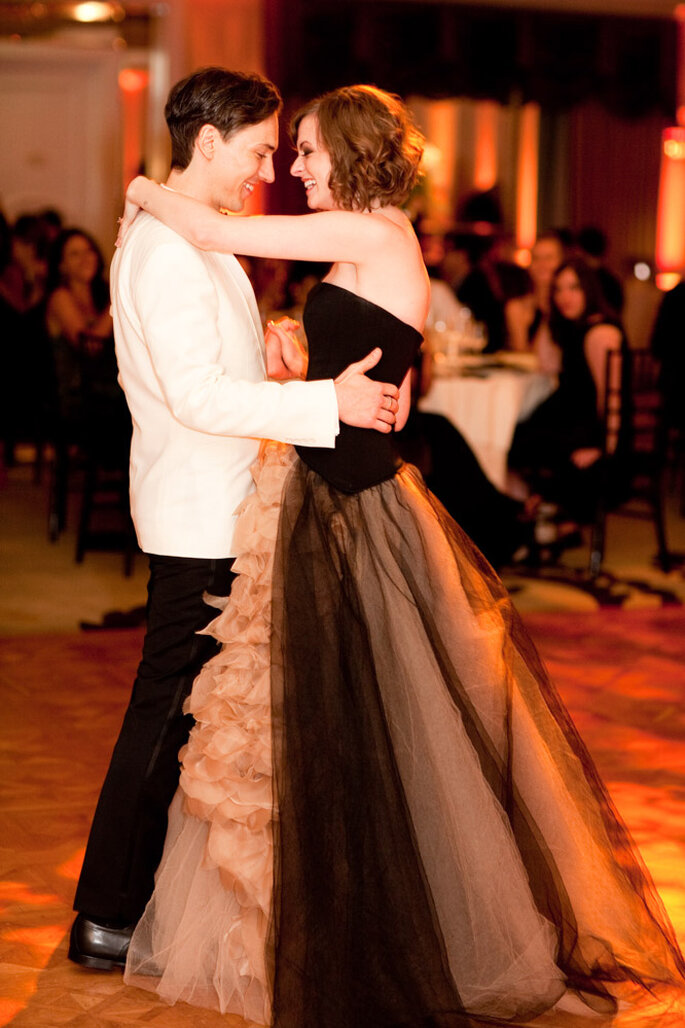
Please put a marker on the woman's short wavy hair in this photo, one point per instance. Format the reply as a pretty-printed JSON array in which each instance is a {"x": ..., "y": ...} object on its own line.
[{"x": 374, "y": 146}]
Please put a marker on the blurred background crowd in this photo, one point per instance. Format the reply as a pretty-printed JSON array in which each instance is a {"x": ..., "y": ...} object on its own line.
[{"x": 550, "y": 214}]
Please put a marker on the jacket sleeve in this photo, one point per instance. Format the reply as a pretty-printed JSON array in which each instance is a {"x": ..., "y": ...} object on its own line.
[{"x": 178, "y": 308}]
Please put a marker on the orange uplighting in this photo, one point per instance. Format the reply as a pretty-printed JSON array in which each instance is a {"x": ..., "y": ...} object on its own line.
[
  {"x": 666, "y": 280},
  {"x": 523, "y": 257},
  {"x": 670, "y": 219},
  {"x": 133, "y": 83},
  {"x": 133, "y": 80},
  {"x": 442, "y": 131},
  {"x": 485, "y": 161},
  {"x": 527, "y": 177}
]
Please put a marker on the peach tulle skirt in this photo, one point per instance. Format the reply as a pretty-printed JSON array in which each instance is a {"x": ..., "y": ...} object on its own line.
[{"x": 385, "y": 815}]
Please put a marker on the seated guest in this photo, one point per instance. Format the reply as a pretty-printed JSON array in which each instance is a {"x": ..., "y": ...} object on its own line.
[
  {"x": 78, "y": 294},
  {"x": 557, "y": 449},
  {"x": 77, "y": 315},
  {"x": 499, "y": 293},
  {"x": 592, "y": 244},
  {"x": 518, "y": 294},
  {"x": 454, "y": 264},
  {"x": 480, "y": 291},
  {"x": 22, "y": 282},
  {"x": 51, "y": 220},
  {"x": 445, "y": 310},
  {"x": 548, "y": 252},
  {"x": 23, "y": 267}
]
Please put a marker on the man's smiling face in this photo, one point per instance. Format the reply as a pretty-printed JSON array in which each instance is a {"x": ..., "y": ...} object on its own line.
[{"x": 241, "y": 161}]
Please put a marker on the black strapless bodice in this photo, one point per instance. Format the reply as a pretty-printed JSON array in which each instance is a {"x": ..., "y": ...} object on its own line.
[{"x": 341, "y": 328}]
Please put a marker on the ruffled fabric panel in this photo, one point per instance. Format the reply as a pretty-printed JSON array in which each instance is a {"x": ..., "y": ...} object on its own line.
[{"x": 203, "y": 936}]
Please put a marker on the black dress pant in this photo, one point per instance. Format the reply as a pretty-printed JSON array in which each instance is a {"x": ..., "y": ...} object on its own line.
[{"x": 129, "y": 827}]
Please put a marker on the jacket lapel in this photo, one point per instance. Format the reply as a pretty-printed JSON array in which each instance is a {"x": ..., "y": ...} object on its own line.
[{"x": 246, "y": 291}]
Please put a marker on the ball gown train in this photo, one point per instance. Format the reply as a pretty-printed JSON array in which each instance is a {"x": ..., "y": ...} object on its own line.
[{"x": 385, "y": 816}]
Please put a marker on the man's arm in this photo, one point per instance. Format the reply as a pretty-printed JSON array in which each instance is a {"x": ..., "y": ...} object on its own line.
[
  {"x": 361, "y": 401},
  {"x": 178, "y": 307}
]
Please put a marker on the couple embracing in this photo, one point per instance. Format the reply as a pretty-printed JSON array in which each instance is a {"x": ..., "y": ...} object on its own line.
[{"x": 385, "y": 815}]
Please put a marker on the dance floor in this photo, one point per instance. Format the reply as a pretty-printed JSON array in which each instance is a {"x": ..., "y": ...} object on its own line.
[{"x": 622, "y": 673}]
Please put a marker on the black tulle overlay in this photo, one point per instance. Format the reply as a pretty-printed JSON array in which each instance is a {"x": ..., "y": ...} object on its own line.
[
  {"x": 386, "y": 818},
  {"x": 444, "y": 842}
]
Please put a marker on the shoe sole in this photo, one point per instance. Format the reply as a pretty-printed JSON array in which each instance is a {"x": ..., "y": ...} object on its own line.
[{"x": 95, "y": 963}]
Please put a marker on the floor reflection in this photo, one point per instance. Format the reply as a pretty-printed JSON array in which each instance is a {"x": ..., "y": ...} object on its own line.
[{"x": 622, "y": 674}]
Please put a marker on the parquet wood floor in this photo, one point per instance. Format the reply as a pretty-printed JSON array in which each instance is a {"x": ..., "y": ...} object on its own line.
[{"x": 622, "y": 674}]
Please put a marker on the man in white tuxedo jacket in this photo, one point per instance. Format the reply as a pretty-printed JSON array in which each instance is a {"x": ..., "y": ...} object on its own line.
[{"x": 192, "y": 364}]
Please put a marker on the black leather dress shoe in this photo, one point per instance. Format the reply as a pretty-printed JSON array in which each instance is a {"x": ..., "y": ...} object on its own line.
[{"x": 97, "y": 946}]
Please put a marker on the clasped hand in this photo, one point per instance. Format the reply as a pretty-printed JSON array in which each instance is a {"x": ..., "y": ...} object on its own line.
[{"x": 285, "y": 357}]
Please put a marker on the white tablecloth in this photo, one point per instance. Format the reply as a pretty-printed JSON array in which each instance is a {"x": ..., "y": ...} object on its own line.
[{"x": 486, "y": 410}]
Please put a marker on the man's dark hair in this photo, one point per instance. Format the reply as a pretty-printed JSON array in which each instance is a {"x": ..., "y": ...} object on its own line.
[
  {"x": 592, "y": 241},
  {"x": 229, "y": 100},
  {"x": 30, "y": 230}
]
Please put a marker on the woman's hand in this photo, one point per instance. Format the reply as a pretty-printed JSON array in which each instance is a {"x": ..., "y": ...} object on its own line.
[
  {"x": 132, "y": 205},
  {"x": 285, "y": 358}
]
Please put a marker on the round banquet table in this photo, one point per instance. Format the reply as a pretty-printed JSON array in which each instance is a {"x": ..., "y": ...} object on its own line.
[{"x": 485, "y": 397}]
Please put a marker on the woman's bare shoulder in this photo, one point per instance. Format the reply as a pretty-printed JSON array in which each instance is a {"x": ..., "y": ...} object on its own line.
[
  {"x": 604, "y": 334},
  {"x": 60, "y": 300}
]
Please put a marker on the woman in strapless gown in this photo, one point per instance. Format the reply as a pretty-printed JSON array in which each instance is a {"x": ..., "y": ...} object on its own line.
[{"x": 386, "y": 816}]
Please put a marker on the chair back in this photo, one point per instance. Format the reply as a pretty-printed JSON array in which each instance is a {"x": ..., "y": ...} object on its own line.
[
  {"x": 106, "y": 417},
  {"x": 633, "y": 418},
  {"x": 635, "y": 447},
  {"x": 647, "y": 423}
]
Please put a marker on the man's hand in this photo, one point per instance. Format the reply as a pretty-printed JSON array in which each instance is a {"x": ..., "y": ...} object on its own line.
[
  {"x": 362, "y": 401},
  {"x": 285, "y": 358}
]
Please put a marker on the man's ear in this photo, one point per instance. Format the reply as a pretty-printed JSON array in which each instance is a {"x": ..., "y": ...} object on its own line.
[{"x": 206, "y": 140}]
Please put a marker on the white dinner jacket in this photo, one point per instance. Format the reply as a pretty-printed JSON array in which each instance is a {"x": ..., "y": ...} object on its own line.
[{"x": 191, "y": 361}]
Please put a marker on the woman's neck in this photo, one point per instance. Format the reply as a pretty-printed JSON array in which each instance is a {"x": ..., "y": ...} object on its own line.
[{"x": 83, "y": 294}]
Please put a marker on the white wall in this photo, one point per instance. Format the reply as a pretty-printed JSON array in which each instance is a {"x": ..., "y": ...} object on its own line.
[{"x": 60, "y": 131}]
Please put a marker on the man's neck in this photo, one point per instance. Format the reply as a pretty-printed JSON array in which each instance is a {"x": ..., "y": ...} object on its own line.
[{"x": 190, "y": 183}]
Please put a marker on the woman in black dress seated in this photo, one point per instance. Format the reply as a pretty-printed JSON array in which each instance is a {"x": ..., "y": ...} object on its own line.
[
  {"x": 557, "y": 450},
  {"x": 385, "y": 815},
  {"x": 77, "y": 317},
  {"x": 89, "y": 407}
]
